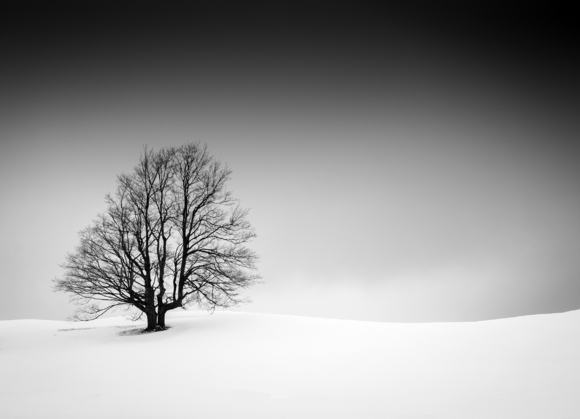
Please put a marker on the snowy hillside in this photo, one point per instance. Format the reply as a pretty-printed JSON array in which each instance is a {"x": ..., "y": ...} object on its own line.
[{"x": 241, "y": 365}]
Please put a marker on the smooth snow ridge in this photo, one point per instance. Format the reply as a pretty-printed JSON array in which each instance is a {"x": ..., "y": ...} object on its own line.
[{"x": 233, "y": 365}]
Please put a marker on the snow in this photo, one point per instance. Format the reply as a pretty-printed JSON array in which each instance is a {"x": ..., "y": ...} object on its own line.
[{"x": 242, "y": 365}]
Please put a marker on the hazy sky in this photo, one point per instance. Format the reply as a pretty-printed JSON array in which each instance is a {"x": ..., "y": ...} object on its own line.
[{"x": 416, "y": 165}]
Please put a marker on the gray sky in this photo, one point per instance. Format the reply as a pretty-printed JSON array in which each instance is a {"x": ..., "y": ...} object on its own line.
[{"x": 395, "y": 172}]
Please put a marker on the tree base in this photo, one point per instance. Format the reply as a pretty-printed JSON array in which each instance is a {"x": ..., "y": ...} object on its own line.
[{"x": 155, "y": 329}]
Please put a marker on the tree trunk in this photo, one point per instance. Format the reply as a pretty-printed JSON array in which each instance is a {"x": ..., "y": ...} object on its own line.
[
  {"x": 151, "y": 321},
  {"x": 162, "y": 311},
  {"x": 161, "y": 318}
]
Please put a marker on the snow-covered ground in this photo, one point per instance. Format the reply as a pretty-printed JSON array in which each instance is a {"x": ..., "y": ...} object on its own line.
[{"x": 232, "y": 365}]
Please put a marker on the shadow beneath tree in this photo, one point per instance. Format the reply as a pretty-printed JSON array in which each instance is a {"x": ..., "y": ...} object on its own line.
[{"x": 140, "y": 331}]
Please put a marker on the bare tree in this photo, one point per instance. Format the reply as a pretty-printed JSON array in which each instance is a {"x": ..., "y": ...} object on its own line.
[{"x": 172, "y": 235}]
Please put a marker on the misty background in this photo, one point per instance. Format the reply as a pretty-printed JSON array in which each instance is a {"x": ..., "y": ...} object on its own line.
[{"x": 413, "y": 164}]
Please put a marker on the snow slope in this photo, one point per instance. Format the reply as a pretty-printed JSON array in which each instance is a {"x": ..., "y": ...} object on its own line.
[{"x": 241, "y": 365}]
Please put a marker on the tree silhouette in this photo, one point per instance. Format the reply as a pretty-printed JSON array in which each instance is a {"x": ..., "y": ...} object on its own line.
[{"x": 172, "y": 235}]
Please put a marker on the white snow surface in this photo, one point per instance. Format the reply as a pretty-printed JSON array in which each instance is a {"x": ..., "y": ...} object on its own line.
[{"x": 241, "y": 365}]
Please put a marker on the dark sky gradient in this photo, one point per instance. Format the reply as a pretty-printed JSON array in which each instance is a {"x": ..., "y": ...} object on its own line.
[{"x": 413, "y": 164}]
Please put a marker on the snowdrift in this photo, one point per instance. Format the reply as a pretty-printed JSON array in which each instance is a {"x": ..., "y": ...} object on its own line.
[{"x": 241, "y": 365}]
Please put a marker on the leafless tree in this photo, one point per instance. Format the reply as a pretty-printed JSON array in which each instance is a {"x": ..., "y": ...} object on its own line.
[{"x": 172, "y": 235}]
